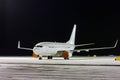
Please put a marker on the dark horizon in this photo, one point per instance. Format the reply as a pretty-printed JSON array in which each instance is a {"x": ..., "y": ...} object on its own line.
[{"x": 36, "y": 21}]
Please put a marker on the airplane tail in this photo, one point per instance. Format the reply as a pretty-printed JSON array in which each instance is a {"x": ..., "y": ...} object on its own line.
[{"x": 72, "y": 37}]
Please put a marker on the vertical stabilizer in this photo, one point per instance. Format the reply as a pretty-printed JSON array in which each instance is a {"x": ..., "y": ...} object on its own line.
[{"x": 72, "y": 37}]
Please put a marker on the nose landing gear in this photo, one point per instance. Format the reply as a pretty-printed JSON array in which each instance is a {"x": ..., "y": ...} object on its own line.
[{"x": 40, "y": 58}]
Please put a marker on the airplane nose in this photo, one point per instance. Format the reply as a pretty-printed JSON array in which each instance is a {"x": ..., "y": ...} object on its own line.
[{"x": 35, "y": 55}]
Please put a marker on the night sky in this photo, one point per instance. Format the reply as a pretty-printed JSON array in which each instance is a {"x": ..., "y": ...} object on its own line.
[{"x": 33, "y": 21}]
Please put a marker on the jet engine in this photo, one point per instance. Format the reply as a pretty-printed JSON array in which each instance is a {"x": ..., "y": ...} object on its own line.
[
  {"x": 87, "y": 50},
  {"x": 35, "y": 55},
  {"x": 66, "y": 54}
]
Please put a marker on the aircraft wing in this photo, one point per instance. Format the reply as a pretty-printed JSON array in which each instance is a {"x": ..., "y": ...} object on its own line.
[
  {"x": 95, "y": 48},
  {"x": 84, "y": 44}
]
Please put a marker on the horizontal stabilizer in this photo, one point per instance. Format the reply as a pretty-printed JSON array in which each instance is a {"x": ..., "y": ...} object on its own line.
[{"x": 23, "y": 47}]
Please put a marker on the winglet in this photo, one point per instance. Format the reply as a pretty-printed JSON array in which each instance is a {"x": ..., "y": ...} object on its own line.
[
  {"x": 116, "y": 44},
  {"x": 18, "y": 44}
]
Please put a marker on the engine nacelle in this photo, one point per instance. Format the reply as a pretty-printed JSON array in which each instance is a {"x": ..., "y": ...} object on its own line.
[
  {"x": 65, "y": 55},
  {"x": 35, "y": 55},
  {"x": 87, "y": 50},
  {"x": 79, "y": 51}
]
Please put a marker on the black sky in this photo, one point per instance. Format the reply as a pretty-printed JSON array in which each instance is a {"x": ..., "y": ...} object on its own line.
[{"x": 33, "y": 21}]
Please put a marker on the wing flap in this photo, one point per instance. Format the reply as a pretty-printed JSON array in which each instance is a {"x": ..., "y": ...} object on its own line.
[{"x": 84, "y": 44}]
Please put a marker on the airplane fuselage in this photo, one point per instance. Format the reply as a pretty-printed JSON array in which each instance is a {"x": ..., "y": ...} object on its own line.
[{"x": 51, "y": 48}]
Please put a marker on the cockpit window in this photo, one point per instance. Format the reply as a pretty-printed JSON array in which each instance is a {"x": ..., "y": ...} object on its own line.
[{"x": 38, "y": 46}]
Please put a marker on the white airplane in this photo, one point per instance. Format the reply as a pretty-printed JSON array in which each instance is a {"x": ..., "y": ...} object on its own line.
[{"x": 65, "y": 50}]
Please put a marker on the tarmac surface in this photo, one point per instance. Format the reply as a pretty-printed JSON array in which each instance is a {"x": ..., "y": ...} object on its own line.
[{"x": 77, "y": 68}]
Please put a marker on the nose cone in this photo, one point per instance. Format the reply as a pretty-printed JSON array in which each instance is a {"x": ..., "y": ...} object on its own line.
[
  {"x": 36, "y": 50},
  {"x": 35, "y": 55}
]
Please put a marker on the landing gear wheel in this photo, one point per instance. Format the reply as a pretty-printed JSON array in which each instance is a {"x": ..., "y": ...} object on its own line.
[
  {"x": 40, "y": 58},
  {"x": 50, "y": 57}
]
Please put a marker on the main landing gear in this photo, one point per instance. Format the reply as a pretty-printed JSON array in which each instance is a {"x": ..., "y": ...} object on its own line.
[
  {"x": 50, "y": 57},
  {"x": 66, "y": 58}
]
